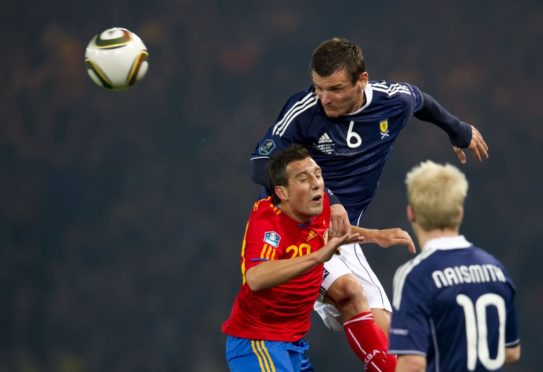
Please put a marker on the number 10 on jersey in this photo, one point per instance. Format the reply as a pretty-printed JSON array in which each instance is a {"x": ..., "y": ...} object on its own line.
[{"x": 476, "y": 329}]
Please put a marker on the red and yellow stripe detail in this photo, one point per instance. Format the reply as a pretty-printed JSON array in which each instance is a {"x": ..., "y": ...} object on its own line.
[{"x": 268, "y": 252}]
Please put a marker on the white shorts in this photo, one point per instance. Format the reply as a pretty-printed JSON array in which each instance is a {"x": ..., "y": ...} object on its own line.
[{"x": 350, "y": 261}]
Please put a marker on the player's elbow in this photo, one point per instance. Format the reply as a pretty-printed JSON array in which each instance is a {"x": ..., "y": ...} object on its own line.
[
  {"x": 259, "y": 172},
  {"x": 512, "y": 354},
  {"x": 254, "y": 281}
]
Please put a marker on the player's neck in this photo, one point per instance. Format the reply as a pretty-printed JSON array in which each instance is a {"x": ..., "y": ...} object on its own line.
[
  {"x": 361, "y": 102},
  {"x": 302, "y": 218},
  {"x": 425, "y": 236}
]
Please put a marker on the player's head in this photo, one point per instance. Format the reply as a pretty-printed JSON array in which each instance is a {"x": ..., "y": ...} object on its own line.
[
  {"x": 435, "y": 195},
  {"x": 296, "y": 183},
  {"x": 339, "y": 75},
  {"x": 338, "y": 54}
]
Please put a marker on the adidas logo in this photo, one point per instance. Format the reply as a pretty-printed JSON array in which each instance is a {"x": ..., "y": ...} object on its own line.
[{"x": 325, "y": 138}]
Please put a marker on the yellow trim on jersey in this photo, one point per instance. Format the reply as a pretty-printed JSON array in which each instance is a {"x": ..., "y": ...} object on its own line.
[
  {"x": 243, "y": 244},
  {"x": 276, "y": 210},
  {"x": 263, "y": 252},
  {"x": 270, "y": 251},
  {"x": 264, "y": 359},
  {"x": 267, "y": 252}
]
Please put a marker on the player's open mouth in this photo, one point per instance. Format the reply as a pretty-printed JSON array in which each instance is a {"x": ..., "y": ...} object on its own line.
[{"x": 317, "y": 198}]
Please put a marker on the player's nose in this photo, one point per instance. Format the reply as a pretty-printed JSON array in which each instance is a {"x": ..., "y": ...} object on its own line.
[{"x": 325, "y": 98}]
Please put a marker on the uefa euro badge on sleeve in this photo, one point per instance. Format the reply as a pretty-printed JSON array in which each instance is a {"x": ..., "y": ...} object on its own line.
[
  {"x": 272, "y": 238},
  {"x": 267, "y": 147}
]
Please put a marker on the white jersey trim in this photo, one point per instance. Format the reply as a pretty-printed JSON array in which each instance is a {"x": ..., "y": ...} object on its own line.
[
  {"x": 391, "y": 89},
  {"x": 447, "y": 243},
  {"x": 305, "y": 103},
  {"x": 368, "y": 91},
  {"x": 259, "y": 157},
  {"x": 406, "y": 352},
  {"x": 436, "y": 345},
  {"x": 512, "y": 343}
]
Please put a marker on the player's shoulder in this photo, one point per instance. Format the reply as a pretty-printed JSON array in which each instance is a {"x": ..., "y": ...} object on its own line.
[
  {"x": 392, "y": 89},
  {"x": 414, "y": 266},
  {"x": 264, "y": 209},
  {"x": 419, "y": 267},
  {"x": 302, "y": 100},
  {"x": 300, "y": 109},
  {"x": 485, "y": 256},
  {"x": 412, "y": 277}
]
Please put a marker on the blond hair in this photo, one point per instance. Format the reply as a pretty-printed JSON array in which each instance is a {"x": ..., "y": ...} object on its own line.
[{"x": 436, "y": 194}]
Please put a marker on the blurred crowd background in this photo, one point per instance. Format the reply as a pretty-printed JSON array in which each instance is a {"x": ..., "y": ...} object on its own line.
[{"x": 122, "y": 213}]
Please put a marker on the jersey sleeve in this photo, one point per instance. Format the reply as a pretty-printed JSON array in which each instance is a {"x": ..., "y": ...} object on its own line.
[
  {"x": 432, "y": 111},
  {"x": 260, "y": 242},
  {"x": 417, "y": 99},
  {"x": 511, "y": 332},
  {"x": 410, "y": 331}
]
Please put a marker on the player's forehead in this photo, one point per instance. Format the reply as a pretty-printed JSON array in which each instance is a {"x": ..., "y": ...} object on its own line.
[
  {"x": 299, "y": 167},
  {"x": 339, "y": 77}
]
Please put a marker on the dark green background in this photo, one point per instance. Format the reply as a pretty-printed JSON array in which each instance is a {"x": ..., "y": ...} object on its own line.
[{"x": 121, "y": 214}]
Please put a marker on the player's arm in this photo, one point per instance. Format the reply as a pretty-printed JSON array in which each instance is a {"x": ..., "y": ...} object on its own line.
[
  {"x": 269, "y": 274},
  {"x": 512, "y": 354},
  {"x": 259, "y": 172},
  {"x": 386, "y": 237},
  {"x": 411, "y": 363},
  {"x": 461, "y": 134},
  {"x": 339, "y": 219}
]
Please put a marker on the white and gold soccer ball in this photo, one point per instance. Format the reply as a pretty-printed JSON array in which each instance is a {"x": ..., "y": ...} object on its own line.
[{"x": 116, "y": 59}]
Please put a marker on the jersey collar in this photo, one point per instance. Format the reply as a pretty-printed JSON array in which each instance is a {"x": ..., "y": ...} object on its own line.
[
  {"x": 445, "y": 243},
  {"x": 368, "y": 91}
]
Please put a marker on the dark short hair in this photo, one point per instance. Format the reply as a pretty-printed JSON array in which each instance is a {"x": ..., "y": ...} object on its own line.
[
  {"x": 278, "y": 167},
  {"x": 337, "y": 54}
]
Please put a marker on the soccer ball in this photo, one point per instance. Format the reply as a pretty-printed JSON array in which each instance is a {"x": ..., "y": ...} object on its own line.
[{"x": 116, "y": 59}]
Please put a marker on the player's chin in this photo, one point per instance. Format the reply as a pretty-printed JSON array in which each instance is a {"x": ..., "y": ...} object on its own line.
[
  {"x": 315, "y": 207},
  {"x": 332, "y": 113}
]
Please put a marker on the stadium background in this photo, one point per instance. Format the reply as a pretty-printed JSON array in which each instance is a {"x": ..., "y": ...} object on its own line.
[{"x": 121, "y": 214}]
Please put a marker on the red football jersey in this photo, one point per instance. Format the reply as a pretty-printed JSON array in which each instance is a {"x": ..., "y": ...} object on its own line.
[{"x": 281, "y": 313}]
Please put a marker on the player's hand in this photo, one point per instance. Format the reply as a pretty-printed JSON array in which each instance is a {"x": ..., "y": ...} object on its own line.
[
  {"x": 333, "y": 244},
  {"x": 389, "y": 237},
  {"x": 339, "y": 221},
  {"x": 477, "y": 146}
]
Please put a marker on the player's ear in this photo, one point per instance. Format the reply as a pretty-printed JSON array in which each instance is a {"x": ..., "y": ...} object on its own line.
[
  {"x": 363, "y": 77},
  {"x": 281, "y": 192},
  {"x": 410, "y": 214}
]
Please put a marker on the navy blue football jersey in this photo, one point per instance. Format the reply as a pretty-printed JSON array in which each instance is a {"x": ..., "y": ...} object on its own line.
[
  {"x": 454, "y": 304},
  {"x": 351, "y": 150}
]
